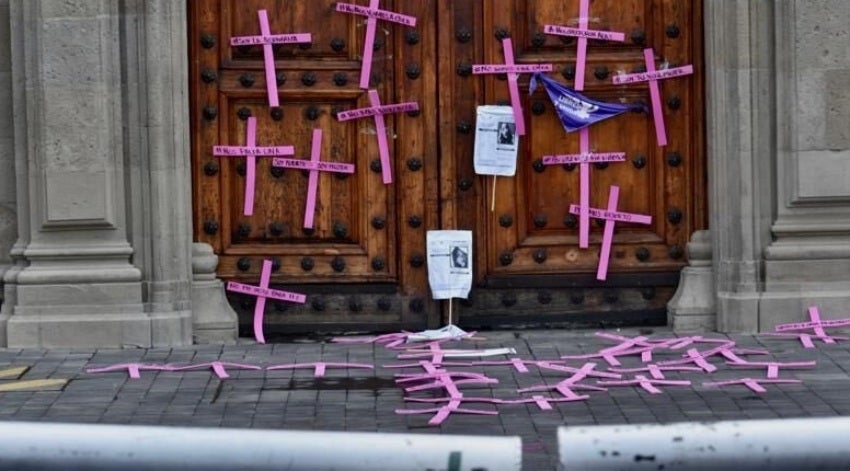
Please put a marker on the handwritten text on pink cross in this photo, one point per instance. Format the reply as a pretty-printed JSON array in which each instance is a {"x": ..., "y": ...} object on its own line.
[
  {"x": 652, "y": 76},
  {"x": 372, "y": 13},
  {"x": 583, "y": 34},
  {"x": 262, "y": 292},
  {"x": 266, "y": 39},
  {"x": 611, "y": 216},
  {"x": 584, "y": 159},
  {"x": 250, "y": 151},
  {"x": 314, "y": 165},
  {"x": 378, "y": 111},
  {"x": 512, "y": 70}
]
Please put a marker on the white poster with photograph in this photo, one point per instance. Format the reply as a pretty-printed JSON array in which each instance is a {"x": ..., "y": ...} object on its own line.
[
  {"x": 496, "y": 141},
  {"x": 449, "y": 263}
]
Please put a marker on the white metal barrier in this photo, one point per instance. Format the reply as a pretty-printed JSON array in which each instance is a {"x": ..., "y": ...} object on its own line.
[
  {"x": 786, "y": 444},
  {"x": 51, "y": 446}
]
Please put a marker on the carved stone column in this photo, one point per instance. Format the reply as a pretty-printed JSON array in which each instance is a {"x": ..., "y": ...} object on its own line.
[
  {"x": 692, "y": 308},
  {"x": 214, "y": 320},
  {"x": 78, "y": 285}
]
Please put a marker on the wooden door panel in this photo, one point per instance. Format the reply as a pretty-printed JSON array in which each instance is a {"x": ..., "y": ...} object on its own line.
[
  {"x": 359, "y": 265},
  {"x": 527, "y": 248}
]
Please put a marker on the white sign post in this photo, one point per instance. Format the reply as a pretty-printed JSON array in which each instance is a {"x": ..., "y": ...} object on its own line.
[{"x": 449, "y": 265}]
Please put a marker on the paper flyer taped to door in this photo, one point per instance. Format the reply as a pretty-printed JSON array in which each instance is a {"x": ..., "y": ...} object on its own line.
[
  {"x": 496, "y": 141},
  {"x": 449, "y": 263}
]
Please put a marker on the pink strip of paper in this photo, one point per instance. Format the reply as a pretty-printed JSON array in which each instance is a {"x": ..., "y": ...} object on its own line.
[
  {"x": 313, "y": 181},
  {"x": 250, "y": 168},
  {"x": 584, "y": 191},
  {"x": 559, "y": 30},
  {"x": 591, "y": 157},
  {"x": 374, "y": 12},
  {"x": 268, "y": 61},
  {"x": 383, "y": 145},
  {"x": 608, "y": 235},
  {"x": 320, "y": 367},
  {"x": 581, "y": 51}
]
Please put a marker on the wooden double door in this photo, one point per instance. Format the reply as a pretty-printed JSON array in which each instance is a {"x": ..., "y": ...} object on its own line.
[{"x": 363, "y": 264}]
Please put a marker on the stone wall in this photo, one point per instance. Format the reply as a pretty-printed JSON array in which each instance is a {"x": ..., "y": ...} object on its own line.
[{"x": 8, "y": 224}]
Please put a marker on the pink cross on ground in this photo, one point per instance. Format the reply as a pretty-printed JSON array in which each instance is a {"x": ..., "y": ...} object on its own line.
[
  {"x": 646, "y": 383},
  {"x": 262, "y": 292},
  {"x": 754, "y": 384},
  {"x": 266, "y": 39},
  {"x": 314, "y": 165},
  {"x": 584, "y": 159},
  {"x": 442, "y": 413},
  {"x": 656, "y": 371},
  {"x": 611, "y": 216},
  {"x": 582, "y": 33},
  {"x": 652, "y": 76},
  {"x": 319, "y": 367},
  {"x": 217, "y": 366},
  {"x": 566, "y": 386},
  {"x": 816, "y": 324},
  {"x": 250, "y": 151},
  {"x": 133, "y": 369},
  {"x": 378, "y": 111},
  {"x": 512, "y": 69},
  {"x": 372, "y": 13},
  {"x": 772, "y": 366}
]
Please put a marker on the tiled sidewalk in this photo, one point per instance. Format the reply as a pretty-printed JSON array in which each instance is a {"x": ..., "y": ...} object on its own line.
[{"x": 365, "y": 400}]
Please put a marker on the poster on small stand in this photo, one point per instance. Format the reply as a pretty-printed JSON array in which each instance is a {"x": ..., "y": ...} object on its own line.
[
  {"x": 450, "y": 269},
  {"x": 496, "y": 144}
]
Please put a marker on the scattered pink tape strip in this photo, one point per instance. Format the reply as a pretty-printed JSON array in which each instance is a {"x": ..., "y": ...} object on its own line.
[
  {"x": 319, "y": 367},
  {"x": 512, "y": 69},
  {"x": 262, "y": 292},
  {"x": 753, "y": 384},
  {"x": 646, "y": 383},
  {"x": 219, "y": 367},
  {"x": 652, "y": 76},
  {"x": 132, "y": 369},
  {"x": 372, "y": 13},
  {"x": 656, "y": 371},
  {"x": 772, "y": 366}
]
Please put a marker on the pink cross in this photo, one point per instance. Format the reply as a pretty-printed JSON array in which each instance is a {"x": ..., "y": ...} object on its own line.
[
  {"x": 262, "y": 292},
  {"x": 133, "y": 369},
  {"x": 656, "y": 371},
  {"x": 652, "y": 76},
  {"x": 566, "y": 386},
  {"x": 646, "y": 383},
  {"x": 512, "y": 69},
  {"x": 816, "y": 324},
  {"x": 218, "y": 367},
  {"x": 772, "y": 366},
  {"x": 314, "y": 165},
  {"x": 442, "y": 413},
  {"x": 372, "y": 13},
  {"x": 584, "y": 159},
  {"x": 582, "y": 33},
  {"x": 754, "y": 384},
  {"x": 611, "y": 216},
  {"x": 319, "y": 367},
  {"x": 378, "y": 111},
  {"x": 250, "y": 151},
  {"x": 267, "y": 39}
]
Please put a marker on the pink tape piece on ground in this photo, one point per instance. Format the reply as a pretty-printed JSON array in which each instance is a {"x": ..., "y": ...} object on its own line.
[
  {"x": 512, "y": 69},
  {"x": 319, "y": 368},
  {"x": 772, "y": 366},
  {"x": 218, "y": 367},
  {"x": 372, "y": 14},
  {"x": 132, "y": 369},
  {"x": 656, "y": 371},
  {"x": 262, "y": 292},
  {"x": 646, "y": 383},
  {"x": 753, "y": 384}
]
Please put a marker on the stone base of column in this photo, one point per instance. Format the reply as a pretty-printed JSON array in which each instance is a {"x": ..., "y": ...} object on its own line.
[
  {"x": 692, "y": 308},
  {"x": 214, "y": 321},
  {"x": 79, "y": 330}
]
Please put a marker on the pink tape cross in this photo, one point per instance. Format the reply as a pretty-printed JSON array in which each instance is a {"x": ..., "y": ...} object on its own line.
[
  {"x": 611, "y": 216},
  {"x": 583, "y": 34},
  {"x": 816, "y": 324},
  {"x": 566, "y": 386},
  {"x": 372, "y": 13},
  {"x": 646, "y": 383},
  {"x": 218, "y": 367},
  {"x": 319, "y": 367},
  {"x": 133, "y": 369},
  {"x": 652, "y": 76},
  {"x": 314, "y": 166},
  {"x": 262, "y": 292},
  {"x": 378, "y": 111},
  {"x": 772, "y": 366},
  {"x": 251, "y": 151},
  {"x": 584, "y": 159},
  {"x": 512, "y": 69},
  {"x": 753, "y": 384},
  {"x": 267, "y": 39}
]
